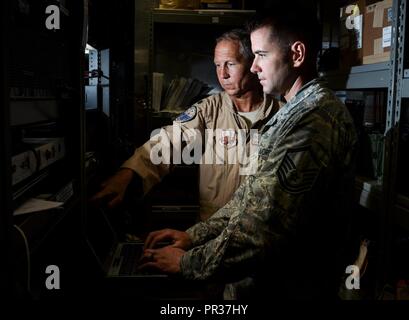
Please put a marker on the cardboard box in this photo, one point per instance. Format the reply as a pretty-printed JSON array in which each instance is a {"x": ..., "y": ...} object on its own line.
[
  {"x": 351, "y": 34},
  {"x": 179, "y": 4},
  {"x": 377, "y": 33}
]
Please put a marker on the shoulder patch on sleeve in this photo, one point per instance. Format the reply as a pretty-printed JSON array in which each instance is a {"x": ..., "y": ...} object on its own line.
[
  {"x": 188, "y": 115},
  {"x": 298, "y": 170}
]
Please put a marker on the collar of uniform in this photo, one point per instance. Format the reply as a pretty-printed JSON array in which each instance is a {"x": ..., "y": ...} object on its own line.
[
  {"x": 268, "y": 109},
  {"x": 267, "y": 106},
  {"x": 309, "y": 87},
  {"x": 304, "y": 92},
  {"x": 227, "y": 101},
  {"x": 265, "y": 109},
  {"x": 232, "y": 108}
]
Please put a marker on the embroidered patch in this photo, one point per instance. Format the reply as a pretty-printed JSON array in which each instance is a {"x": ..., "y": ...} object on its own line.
[
  {"x": 298, "y": 170},
  {"x": 228, "y": 138},
  {"x": 188, "y": 115}
]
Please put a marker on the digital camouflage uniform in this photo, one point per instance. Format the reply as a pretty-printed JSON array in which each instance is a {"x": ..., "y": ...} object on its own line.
[{"x": 284, "y": 224}]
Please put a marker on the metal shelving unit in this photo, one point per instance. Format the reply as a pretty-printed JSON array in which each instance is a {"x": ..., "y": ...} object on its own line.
[
  {"x": 66, "y": 42},
  {"x": 368, "y": 192},
  {"x": 222, "y": 17},
  {"x": 405, "y": 86},
  {"x": 382, "y": 197},
  {"x": 398, "y": 91},
  {"x": 368, "y": 76},
  {"x": 396, "y": 208}
]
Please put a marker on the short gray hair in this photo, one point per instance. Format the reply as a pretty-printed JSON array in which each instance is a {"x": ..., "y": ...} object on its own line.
[{"x": 243, "y": 38}]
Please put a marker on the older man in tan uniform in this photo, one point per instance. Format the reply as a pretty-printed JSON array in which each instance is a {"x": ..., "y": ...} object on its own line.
[{"x": 240, "y": 107}]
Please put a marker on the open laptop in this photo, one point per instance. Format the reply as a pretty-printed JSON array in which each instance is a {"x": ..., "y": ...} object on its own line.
[
  {"x": 119, "y": 261},
  {"x": 116, "y": 259}
]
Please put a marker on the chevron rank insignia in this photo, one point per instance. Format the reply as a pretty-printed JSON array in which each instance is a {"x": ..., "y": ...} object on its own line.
[{"x": 298, "y": 170}]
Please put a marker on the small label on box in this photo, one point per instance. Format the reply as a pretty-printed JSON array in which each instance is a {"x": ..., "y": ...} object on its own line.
[
  {"x": 390, "y": 14},
  {"x": 386, "y": 37},
  {"x": 358, "y": 28}
]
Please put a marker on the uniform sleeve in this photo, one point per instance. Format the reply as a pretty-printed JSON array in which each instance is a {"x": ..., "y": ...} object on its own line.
[
  {"x": 162, "y": 143},
  {"x": 209, "y": 229},
  {"x": 263, "y": 220}
]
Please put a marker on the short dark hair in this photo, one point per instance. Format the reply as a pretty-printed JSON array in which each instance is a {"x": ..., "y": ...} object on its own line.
[
  {"x": 242, "y": 36},
  {"x": 290, "y": 23}
]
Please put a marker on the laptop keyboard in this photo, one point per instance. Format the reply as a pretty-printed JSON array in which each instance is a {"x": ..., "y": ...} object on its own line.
[{"x": 131, "y": 255}]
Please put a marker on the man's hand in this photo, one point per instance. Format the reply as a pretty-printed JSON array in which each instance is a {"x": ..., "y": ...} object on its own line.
[
  {"x": 113, "y": 190},
  {"x": 166, "y": 259},
  {"x": 179, "y": 239}
]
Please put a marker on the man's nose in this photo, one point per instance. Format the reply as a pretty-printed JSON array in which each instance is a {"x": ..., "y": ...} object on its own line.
[
  {"x": 224, "y": 73},
  {"x": 254, "y": 67}
]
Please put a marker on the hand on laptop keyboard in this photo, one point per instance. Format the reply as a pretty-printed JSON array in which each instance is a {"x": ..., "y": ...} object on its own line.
[
  {"x": 177, "y": 239},
  {"x": 166, "y": 259}
]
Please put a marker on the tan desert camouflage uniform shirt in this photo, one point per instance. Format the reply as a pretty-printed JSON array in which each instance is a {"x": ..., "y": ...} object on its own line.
[{"x": 217, "y": 181}]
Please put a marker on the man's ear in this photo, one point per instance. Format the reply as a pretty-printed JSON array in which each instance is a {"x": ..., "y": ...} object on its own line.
[{"x": 297, "y": 53}]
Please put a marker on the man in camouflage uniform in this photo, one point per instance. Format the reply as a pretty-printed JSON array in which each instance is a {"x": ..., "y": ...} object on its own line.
[{"x": 285, "y": 224}]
